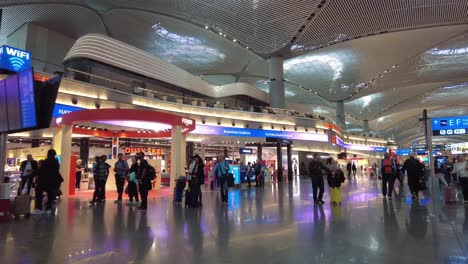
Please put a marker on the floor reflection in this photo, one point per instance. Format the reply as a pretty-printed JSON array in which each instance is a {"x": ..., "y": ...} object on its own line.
[{"x": 278, "y": 224}]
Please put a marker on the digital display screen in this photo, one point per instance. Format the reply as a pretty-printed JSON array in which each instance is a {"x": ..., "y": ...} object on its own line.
[
  {"x": 26, "y": 94},
  {"x": 3, "y": 108},
  {"x": 17, "y": 102},
  {"x": 13, "y": 103},
  {"x": 449, "y": 126}
]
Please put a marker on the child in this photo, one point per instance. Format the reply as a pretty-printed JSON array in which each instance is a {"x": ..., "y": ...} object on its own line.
[
  {"x": 132, "y": 188},
  {"x": 335, "y": 179}
]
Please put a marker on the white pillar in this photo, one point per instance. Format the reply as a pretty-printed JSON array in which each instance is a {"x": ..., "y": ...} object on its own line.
[
  {"x": 340, "y": 115},
  {"x": 3, "y": 154},
  {"x": 203, "y": 151},
  {"x": 176, "y": 155},
  {"x": 276, "y": 82},
  {"x": 57, "y": 140},
  {"x": 183, "y": 150},
  {"x": 65, "y": 156},
  {"x": 115, "y": 147}
]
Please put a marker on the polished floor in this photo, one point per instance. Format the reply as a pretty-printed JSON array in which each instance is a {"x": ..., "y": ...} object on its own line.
[{"x": 279, "y": 224}]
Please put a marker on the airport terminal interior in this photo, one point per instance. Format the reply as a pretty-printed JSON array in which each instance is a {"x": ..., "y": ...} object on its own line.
[{"x": 241, "y": 131}]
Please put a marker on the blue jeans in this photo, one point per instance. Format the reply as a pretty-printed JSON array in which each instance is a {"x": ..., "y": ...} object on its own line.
[{"x": 223, "y": 188}]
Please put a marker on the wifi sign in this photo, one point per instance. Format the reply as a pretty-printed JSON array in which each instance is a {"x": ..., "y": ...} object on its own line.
[
  {"x": 16, "y": 63},
  {"x": 14, "y": 59}
]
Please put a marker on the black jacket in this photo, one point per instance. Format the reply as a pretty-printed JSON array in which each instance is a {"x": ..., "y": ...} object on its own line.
[
  {"x": 49, "y": 177},
  {"x": 142, "y": 175},
  {"x": 335, "y": 180},
  {"x": 413, "y": 167},
  {"x": 316, "y": 167},
  {"x": 34, "y": 167}
]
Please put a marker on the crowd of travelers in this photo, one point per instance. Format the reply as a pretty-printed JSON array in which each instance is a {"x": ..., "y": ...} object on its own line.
[{"x": 45, "y": 178}]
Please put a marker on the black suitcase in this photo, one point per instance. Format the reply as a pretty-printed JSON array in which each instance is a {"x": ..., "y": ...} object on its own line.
[
  {"x": 178, "y": 194},
  {"x": 191, "y": 198}
]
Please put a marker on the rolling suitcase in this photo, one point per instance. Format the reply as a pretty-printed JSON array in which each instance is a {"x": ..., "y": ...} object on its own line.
[
  {"x": 21, "y": 205},
  {"x": 335, "y": 195},
  {"x": 450, "y": 194},
  {"x": 178, "y": 194},
  {"x": 191, "y": 195}
]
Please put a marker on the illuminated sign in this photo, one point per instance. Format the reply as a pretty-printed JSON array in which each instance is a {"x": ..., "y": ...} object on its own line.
[
  {"x": 187, "y": 121},
  {"x": 147, "y": 151},
  {"x": 403, "y": 152},
  {"x": 245, "y": 151},
  {"x": 340, "y": 142},
  {"x": 245, "y": 132},
  {"x": 14, "y": 59},
  {"x": 460, "y": 148},
  {"x": 449, "y": 126},
  {"x": 61, "y": 109}
]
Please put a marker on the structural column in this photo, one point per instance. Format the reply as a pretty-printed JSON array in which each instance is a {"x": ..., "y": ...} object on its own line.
[
  {"x": 65, "y": 147},
  {"x": 290, "y": 167},
  {"x": 242, "y": 156},
  {"x": 365, "y": 126},
  {"x": 84, "y": 151},
  {"x": 279, "y": 155},
  {"x": 203, "y": 151},
  {"x": 115, "y": 147},
  {"x": 276, "y": 82},
  {"x": 340, "y": 115},
  {"x": 259, "y": 151},
  {"x": 3, "y": 152},
  {"x": 176, "y": 155}
]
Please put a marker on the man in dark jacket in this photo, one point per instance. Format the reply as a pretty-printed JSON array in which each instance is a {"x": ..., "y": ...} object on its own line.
[
  {"x": 28, "y": 169},
  {"x": 414, "y": 170},
  {"x": 144, "y": 182},
  {"x": 315, "y": 172}
]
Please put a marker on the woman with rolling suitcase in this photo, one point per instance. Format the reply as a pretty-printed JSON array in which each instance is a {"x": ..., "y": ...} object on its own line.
[
  {"x": 48, "y": 181},
  {"x": 335, "y": 178}
]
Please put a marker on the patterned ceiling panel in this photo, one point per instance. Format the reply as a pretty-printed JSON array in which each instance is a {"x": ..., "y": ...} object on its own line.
[
  {"x": 344, "y": 20},
  {"x": 264, "y": 26},
  {"x": 71, "y": 20},
  {"x": 190, "y": 47}
]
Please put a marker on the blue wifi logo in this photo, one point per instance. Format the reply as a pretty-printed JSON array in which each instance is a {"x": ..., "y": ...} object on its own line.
[{"x": 16, "y": 63}]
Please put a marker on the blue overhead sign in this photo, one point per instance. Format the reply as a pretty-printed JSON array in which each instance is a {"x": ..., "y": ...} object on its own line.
[
  {"x": 245, "y": 151},
  {"x": 449, "y": 126},
  {"x": 61, "y": 109},
  {"x": 14, "y": 59}
]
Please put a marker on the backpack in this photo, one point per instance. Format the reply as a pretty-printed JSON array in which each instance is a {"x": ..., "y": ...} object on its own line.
[
  {"x": 387, "y": 166},
  {"x": 151, "y": 173}
]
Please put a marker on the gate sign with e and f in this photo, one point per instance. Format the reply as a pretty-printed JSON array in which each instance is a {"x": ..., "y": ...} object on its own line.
[
  {"x": 14, "y": 59},
  {"x": 450, "y": 126}
]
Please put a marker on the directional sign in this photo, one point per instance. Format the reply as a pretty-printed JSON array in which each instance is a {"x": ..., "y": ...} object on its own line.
[{"x": 450, "y": 126}]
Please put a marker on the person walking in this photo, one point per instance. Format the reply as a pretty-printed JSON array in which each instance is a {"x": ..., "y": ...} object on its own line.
[
  {"x": 414, "y": 171},
  {"x": 133, "y": 183},
  {"x": 101, "y": 172},
  {"x": 48, "y": 181},
  {"x": 354, "y": 168},
  {"x": 348, "y": 169},
  {"x": 79, "y": 169},
  {"x": 121, "y": 170},
  {"x": 28, "y": 169},
  {"x": 258, "y": 171},
  {"x": 249, "y": 172},
  {"x": 461, "y": 169},
  {"x": 335, "y": 178},
  {"x": 144, "y": 182},
  {"x": 197, "y": 177},
  {"x": 221, "y": 170},
  {"x": 315, "y": 172},
  {"x": 388, "y": 171}
]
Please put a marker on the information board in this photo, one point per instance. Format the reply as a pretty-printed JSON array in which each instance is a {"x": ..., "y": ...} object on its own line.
[{"x": 450, "y": 126}]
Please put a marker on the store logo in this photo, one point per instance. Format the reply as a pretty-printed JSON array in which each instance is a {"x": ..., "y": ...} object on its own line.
[
  {"x": 187, "y": 121},
  {"x": 443, "y": 122}
]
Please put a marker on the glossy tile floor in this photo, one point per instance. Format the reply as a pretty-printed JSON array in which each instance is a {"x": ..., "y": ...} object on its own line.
[{"x": 279, "y": 224}]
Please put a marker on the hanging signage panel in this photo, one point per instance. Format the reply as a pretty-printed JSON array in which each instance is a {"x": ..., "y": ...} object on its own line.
[{"x": 450, "y": 126}]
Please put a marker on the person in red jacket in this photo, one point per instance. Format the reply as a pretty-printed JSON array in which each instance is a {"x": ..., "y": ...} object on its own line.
[{"x": 388, "y": 171}]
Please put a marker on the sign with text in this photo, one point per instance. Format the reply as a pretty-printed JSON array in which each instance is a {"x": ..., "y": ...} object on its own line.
[
  {"x": 450, "y": 126},
  {"x": 245, "y": 151},
  {"x": 147, "y": 151},
  {"x": 61, "y": 109},
  {"x": 459, "y": 148},
  {"x": 14, "y": 59}
]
